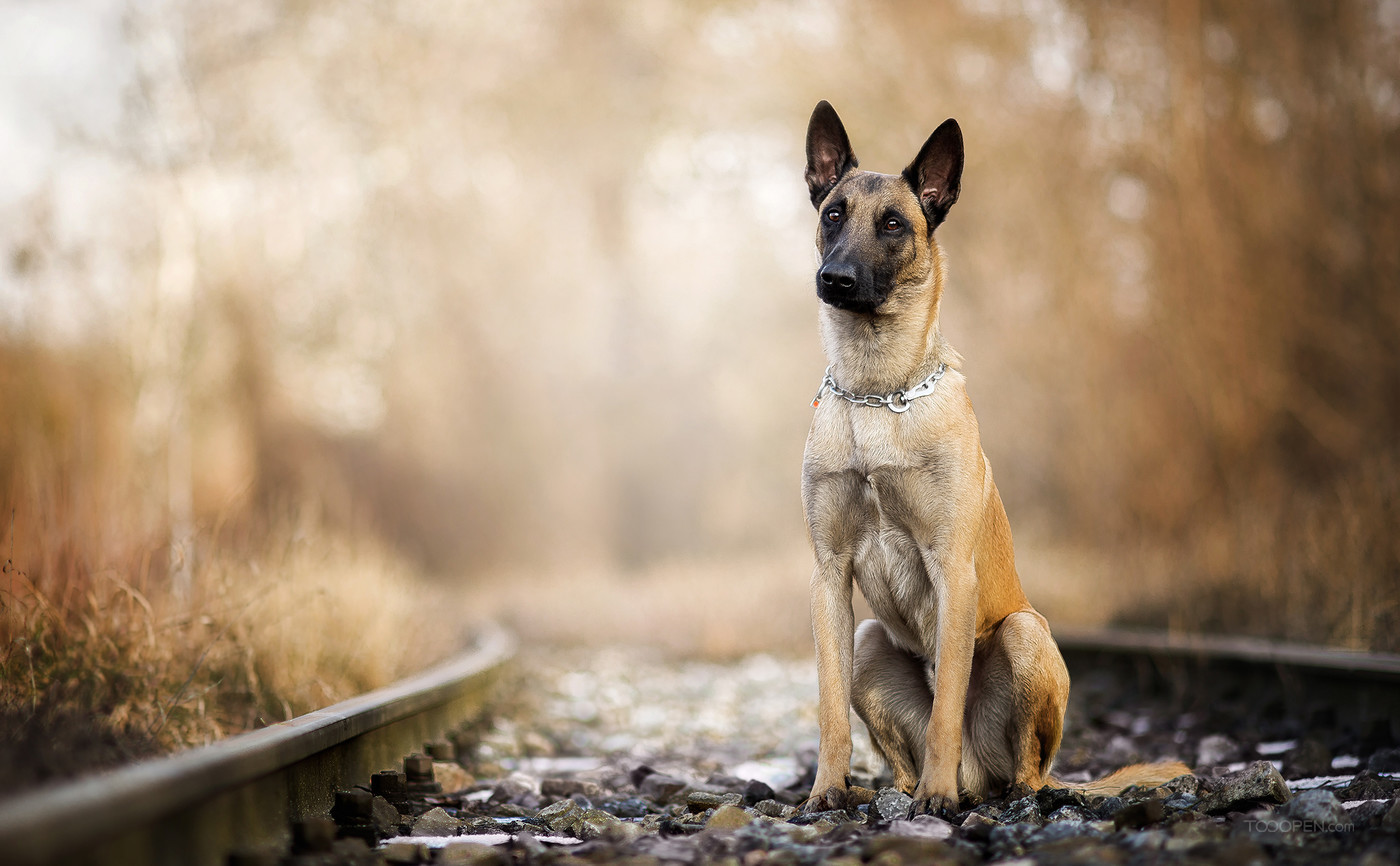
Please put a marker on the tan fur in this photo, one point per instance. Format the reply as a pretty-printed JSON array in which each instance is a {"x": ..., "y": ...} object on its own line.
[
  {"x": 959, "y": 680},
  {"x": 1142, "y": 775}
]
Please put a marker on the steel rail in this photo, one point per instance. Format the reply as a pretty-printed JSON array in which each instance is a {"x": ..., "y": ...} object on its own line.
[
  {"x": 197, "y": 806},
  {"x": 1335, "y": 662},
  {"x": 1325, "y": 687}
]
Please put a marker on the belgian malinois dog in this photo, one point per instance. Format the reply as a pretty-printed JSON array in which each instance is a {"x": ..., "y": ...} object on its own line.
[{"x": 959, "y": 681}]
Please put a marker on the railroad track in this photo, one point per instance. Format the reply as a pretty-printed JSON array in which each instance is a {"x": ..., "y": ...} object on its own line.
[
  {"x": 628, "y": 756},
  {"x": 246, "y": 791}
]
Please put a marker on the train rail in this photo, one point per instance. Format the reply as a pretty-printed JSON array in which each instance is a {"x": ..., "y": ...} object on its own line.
[
  {"x": 1355, "y": 689},
  {"x": 244, "y": 793},
  {"x": 197, "y": 806}
]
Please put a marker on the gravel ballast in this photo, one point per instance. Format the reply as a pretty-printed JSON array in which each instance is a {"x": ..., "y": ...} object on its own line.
[{"x": 613, "y": 756}]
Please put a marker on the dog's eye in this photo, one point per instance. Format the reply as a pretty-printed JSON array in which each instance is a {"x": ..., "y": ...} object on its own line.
[
  {"x": 833, "y": 215},
  {"x": 893, "y": 225}
]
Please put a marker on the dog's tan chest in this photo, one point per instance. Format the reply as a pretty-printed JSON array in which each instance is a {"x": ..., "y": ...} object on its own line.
[{"x": 870, "y": 499}]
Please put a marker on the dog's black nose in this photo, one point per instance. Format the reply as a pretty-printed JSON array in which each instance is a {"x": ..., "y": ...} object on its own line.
[{"x": 838, "y": 275}]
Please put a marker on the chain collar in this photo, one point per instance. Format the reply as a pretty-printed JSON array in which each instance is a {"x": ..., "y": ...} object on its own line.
[{"x": 895, "y": 402}]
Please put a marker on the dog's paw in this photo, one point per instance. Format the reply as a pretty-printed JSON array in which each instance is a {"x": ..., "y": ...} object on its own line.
[
  {"x": 941, "y": 807},
  {"x": 832, "y": 799}
]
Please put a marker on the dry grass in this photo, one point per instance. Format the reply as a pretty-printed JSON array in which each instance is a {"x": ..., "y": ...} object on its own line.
[
  {"x": 100, "y": 663},
  {"x": 312, "y": 620},
  {"x": 1314, "y": 566}
]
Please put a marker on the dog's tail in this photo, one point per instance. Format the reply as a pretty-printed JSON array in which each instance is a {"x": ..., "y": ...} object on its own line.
[{"x": 1142, "y": 775}]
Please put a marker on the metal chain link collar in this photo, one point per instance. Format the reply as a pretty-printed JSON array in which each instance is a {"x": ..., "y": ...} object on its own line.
[{"x": 895, "y": 402}]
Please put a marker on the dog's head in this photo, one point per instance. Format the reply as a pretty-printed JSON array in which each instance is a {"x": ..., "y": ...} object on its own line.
[{"x": 875, "y": 231}]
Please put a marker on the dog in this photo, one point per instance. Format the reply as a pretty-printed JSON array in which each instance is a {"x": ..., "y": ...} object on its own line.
[{"x": 958, "y": 679}]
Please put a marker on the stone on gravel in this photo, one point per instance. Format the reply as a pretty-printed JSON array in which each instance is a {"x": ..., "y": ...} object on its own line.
[
  {"x": 436, "y": 822},
  {"x": 661, "y": 787},
  {"x": 1106, "y": 808},
  {"x": 1309, "y": 758},
  {"x": 1385, "y": 761},
  {"x": 1138, "y": 815},
  {"x": 514, "y": 786},
  {"x": 1260, "y": 782},
  {"x": 386, "y": 818},
  {"x": 560, "y": 788},
  {"x": 514, "y": 810},
  {"x": 801, "y": 834},
  {"x": 1391, "y": 821},
  {"x": 774, "y": 809},
  {"x": 829, "y": 818},
  {"x": 1181, "y": 801},
  {"x": 452, "y": 776},
  {"x": 561, "y": 816},
  {"x": 1216, "y": 749},
  {"x": 1023, "y": 811},
  {"x": 756, "y": 791},
  {"x": 1181, "y": 785},
  {"x": 891, "y": 804},
  {"x": 729, "y": 817},
  {"x": 1319, "y": 808},
  {"x": 481, "y": 826},
  {"x": 1049, "y": 799},
  {"x": 1369, "y": 786},
  {"x": 1009, "y": 840},
  {"x": 526, "y": 842},
  {"x": 627, "y": 807},
  {"x": 594, "y": 823},
  {"x": 1368, "y": 814},
  {"x": 1070, "y": 814},
  {"x": 977, "y": 827},
  {"x": 1059, "y": 832},
  {"x": 923, "y": 827},
  {"x": 627, "y": 832},
  {"x": 699, "y": 801}
]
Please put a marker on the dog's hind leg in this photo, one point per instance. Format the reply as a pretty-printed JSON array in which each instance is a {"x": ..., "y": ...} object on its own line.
[
  {"x": 890, "y": 692},
  {"x": 1016, "y": 706}
]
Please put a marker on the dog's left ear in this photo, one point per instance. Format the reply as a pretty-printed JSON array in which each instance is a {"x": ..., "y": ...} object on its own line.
[{"x": 935, "y": 175}]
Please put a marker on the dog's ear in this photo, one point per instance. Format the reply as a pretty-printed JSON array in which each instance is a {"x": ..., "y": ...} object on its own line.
[
  {"x": 935, "y": 175},
  {"x": 828, "y": 151}
]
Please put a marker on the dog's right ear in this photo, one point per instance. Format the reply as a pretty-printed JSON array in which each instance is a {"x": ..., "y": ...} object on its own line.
[{"x": 829, "y": 153}]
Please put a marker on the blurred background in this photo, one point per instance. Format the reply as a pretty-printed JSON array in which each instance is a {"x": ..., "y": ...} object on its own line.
[{"x": 328, "y": 329}]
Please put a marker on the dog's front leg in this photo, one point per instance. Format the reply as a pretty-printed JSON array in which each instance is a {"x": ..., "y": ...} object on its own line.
[
  {"x": 833, "y": 627},
  {"x": 954, "y": 643}
]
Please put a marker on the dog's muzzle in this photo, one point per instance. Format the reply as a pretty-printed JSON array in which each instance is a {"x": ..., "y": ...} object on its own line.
[{"x": 840, "y": 285}]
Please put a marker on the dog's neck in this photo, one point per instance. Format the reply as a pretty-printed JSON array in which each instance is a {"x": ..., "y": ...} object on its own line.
[{"x": 884, "y": 352}]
